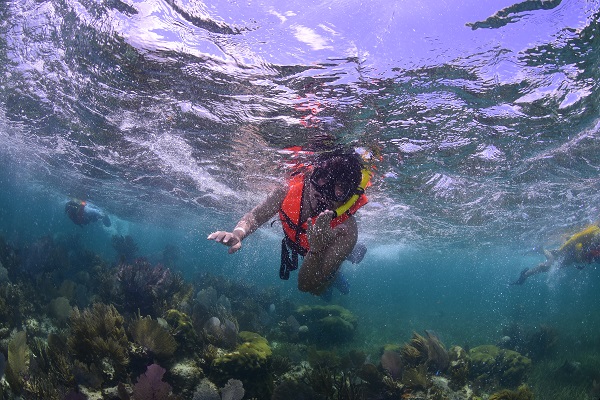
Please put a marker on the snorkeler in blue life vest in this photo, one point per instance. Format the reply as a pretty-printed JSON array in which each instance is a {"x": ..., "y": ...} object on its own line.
[
  {"x": 82, "y": 213},
  {"x": 578, "y": 250},
  {"x": 316, "y": 208}
]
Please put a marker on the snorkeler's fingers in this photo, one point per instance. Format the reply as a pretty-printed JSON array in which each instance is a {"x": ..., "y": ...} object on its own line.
[
  {"x": 219, "y": 236},
  {"x": 324, "y": 219},
  {"x": 235, "y": 247},
  {"x": 214, "y": 236}
]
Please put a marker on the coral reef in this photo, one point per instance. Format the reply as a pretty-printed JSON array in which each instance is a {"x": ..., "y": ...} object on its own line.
[
  {"x": 495, "y": 367},
  {"x": 222, "y": 334},
  {"x": 150, "y": 385},
  {"x": 460, "y": 366},
  {"x": 125, "y": 247},
  {"x": 293, "y": 390},
  {"x": 250, "y": 362},
  {"x": 145, "y": 289},
  {"x": 536, "y": 343},
  {"x": 185, "y": 375},
  {"x": 97, "y": 337},
  {"x": 183, "y": 331},
  {"x": 328, "y": 324},
  {"x": 391, "y": 362},
  {"x": 18, "y": 361},
  {"x": 283, "y": 351},
  {"x": 522, "y": 393},
  {"x": 426, "y": 350}
]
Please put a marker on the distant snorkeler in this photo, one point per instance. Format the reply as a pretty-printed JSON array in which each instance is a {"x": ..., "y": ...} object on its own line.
[
  {"x": 581, "y": 249},
  {"x": 82, "y": 213},
  {"x": 316, "y": 209}
]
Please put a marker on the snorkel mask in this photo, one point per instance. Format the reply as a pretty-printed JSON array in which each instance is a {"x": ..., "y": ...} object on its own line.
[
  {"x": 341, "y": 179},
  {"x": 330, "y": 186}
]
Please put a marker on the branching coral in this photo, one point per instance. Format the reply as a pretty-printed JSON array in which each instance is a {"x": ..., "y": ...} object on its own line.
[
  {"x": 98, "y": 337},
  {"x": 426, "y": 350},
  {"x": 51, "y": 360},
  {"x": 146, "y": 289},
  {"x": 322, "y": 380},
  {"x": 415, "y": 352},
  {"x": 153, "y": 337}
]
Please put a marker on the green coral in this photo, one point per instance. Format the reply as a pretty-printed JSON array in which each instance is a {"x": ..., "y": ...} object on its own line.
[
  {"x": 182, "y": 329},
  {"x": 492, "y": 366},
  {"x": 250, "y": 362},
  {"x": 98, "y": 337},
  {"x": 328, "y": 324}
]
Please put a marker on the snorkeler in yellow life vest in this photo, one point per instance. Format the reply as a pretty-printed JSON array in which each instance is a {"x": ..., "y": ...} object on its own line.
[{"x": 579, "y": 249}]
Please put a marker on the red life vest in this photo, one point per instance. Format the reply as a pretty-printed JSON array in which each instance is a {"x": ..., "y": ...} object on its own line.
[{"x": 290, "y": 210}]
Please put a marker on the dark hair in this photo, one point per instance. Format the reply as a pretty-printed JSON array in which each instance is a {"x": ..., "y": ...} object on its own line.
[{"x": 346, "y": 167}]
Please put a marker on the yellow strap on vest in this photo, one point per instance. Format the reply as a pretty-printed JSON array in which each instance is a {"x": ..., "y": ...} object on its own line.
[
  {"x": 585, "y": 236},
  {"x": 366, "y": 177}
]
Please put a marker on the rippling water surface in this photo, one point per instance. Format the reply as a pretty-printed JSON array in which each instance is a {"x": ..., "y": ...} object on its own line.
[{"x": 172, "y": 114}]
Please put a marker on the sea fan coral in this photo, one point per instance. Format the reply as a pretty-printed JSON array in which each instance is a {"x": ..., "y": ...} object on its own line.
[
  {"x": 150, "y": 385},
  {"x": 18, "y": 360},
  {"x": 391, "y": 361},
  {"x": 153, "y": 337}
]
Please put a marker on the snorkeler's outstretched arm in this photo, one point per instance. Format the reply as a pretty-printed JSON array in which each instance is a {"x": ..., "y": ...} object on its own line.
[
  {"x": 329, "y": 247},
  {"x": 251, "y": 221}
]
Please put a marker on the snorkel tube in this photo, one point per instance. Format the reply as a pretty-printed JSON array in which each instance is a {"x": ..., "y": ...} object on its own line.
[{"x": 366, "y": 177}]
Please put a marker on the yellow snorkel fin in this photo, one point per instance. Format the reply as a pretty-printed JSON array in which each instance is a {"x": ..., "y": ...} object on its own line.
[{"x": 366, "y": 177}]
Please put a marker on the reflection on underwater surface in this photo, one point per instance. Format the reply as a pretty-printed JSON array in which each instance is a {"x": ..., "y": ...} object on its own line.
[{"x": 172, "y": 116}]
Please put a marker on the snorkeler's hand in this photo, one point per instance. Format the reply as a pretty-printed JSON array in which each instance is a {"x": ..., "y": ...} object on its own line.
[
  {"x": 320, "y": 234},
  {"x": 228, "y": 239}
]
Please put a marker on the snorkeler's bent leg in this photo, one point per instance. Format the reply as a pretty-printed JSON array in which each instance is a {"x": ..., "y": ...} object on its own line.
[{"x": 538, "y": 269}]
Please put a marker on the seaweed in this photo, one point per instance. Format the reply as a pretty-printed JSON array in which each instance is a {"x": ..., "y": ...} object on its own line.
[{"x": 97, "y": 336}]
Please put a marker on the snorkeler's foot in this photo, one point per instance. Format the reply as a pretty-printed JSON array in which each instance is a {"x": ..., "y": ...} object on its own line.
[
  {"x": 106, "y": 221},
  {"x": 341, "y": 283},
  {"x": 549, "y": 256},
  {"x": 357, "y": 254},
  {"x": 522, "y": 277}
]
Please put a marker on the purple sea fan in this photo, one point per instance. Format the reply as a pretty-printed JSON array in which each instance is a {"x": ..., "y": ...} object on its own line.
[
  {"x": 144, "y": 286},
  {"x": 392, "y": 362},
  {"x": 150, "y": 386}
]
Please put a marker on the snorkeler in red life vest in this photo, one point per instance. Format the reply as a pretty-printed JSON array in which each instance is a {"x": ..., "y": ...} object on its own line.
[
  {"x": 82, "y": 213},
  {"x": 316, "y": 209}
]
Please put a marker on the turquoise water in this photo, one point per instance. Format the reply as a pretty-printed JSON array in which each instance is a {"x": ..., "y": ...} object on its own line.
[{"x": 171, "y": 117}]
